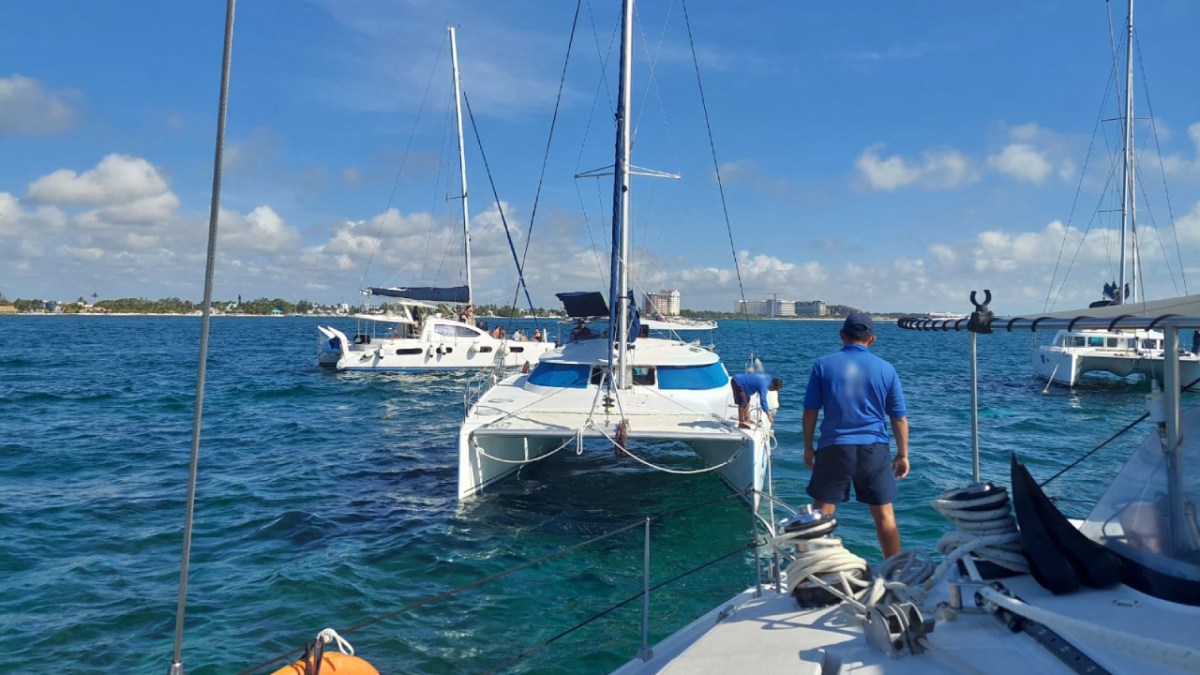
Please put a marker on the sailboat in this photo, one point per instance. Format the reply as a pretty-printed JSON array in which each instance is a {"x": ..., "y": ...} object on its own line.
[
  {"x": 1071, "y": 353},
  {"x": 623, "y": 390},
  {"x": 418, "y": 337}
]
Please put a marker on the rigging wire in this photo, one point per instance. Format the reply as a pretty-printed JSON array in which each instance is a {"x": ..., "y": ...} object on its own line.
[
  {"x": 601, "y": 84},
  {"x": 500, "y": 209},
  {"x": 1162, "y": 169},
  {"x": 550, "y": 137},
  {"x": 176, "y": 667},
  {"x": 1110, "y": 439},
  {"x": 403, "y": 160},
  {"x": 1048, "y": 305},
  {"x": 717, "y": 167}
]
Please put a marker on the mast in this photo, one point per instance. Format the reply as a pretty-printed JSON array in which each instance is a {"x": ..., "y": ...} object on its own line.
[
  {"x": 1128, "y": 227},
  {"x": 462, "y": 161},
  {"x": 618, "y": 319}
]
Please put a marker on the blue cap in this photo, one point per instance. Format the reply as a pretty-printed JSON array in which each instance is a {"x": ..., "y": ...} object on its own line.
[{"x": 858, "y": 325}]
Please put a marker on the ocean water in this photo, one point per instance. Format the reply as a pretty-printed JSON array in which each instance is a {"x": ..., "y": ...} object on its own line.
[{"x": 329, "y": 500}]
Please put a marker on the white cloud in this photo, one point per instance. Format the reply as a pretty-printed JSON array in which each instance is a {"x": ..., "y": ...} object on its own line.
[
  {"x": 28, "y": 109},
  {"x": 117, "y": 179},
  {"x": 1021, "y": 161},
  {"x": 1185, "y": 167},
  {"x": 262, "y": 230},
  {"x": 937, "y": 169}
]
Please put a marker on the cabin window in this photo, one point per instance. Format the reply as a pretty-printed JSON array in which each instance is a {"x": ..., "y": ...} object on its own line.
[
  {"x": 709, "y": 376},
  {"x": 515, "y": 350},
  {"x": 1095, "y": 342},
  {"x": 565, "y": 375},
  {"x": 410, "y": 350},
  {"x": 484, "y": 350},
  {"x": 1080, "y": 341},
  {"x": 455, "y": 331},
  {"x": 1112, "y": 342},
  {"x": 643, "y": 375}
]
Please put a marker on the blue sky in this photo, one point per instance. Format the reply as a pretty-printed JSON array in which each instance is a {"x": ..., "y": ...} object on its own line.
[{"x": 891, "y": 156}]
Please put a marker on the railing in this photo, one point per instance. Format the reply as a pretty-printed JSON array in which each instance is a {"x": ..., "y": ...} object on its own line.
[{"x": 760, "y": 525}]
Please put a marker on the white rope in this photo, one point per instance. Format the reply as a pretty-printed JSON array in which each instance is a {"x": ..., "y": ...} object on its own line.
[
  {"x": 824, "y": 561},
  {"x": 972, "y": 524},
  {"x": 480, "y": 451},
  {"x": 330, "y": 635},
  {"x": 679, "y": 472}
]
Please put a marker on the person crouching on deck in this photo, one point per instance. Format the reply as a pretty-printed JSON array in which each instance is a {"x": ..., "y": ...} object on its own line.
[{"x": 745, "y": 386}]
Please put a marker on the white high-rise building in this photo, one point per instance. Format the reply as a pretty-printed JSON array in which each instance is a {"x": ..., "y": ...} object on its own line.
[{"x": 665, "y": 303}]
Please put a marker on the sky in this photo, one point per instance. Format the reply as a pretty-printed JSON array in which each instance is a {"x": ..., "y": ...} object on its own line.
[{"x": 890, "y": 156}]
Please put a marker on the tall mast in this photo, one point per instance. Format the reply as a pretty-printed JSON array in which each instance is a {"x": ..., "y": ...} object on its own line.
[
  {"x": 1128, "y": 226},
  {"x": 462, "y": 161},
  {"x": 618, "y": 319}
]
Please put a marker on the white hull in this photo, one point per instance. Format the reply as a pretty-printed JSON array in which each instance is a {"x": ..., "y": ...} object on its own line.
[
  {"x": 1073, "y": 354},
  {"x": 518, "y": 422},
  {"x": 467, "y": 348}
]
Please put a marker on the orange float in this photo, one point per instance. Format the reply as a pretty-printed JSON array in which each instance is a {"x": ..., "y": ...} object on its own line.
[{"x": 331, "y": 663}]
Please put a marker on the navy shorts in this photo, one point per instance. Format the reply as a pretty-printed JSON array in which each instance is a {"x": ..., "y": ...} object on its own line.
[
  {"x": 867, "y": 467},
  {"x": 739, "y": 395}
]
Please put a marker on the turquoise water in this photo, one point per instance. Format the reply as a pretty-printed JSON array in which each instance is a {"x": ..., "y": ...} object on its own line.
[{"x": 329, "y": 499}]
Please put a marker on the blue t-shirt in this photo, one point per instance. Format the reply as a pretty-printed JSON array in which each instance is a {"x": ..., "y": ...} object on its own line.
[
  {"x": 754, "y": 383},
  {"x": 859, "y": 392}
]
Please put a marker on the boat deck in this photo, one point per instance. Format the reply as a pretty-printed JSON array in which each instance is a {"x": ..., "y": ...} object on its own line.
[{"x": 771, "y": 634}]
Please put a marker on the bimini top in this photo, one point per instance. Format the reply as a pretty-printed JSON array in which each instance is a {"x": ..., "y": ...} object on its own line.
[
  {"x": 583, "y": 304},
  {"x": 454, "y": 294}
]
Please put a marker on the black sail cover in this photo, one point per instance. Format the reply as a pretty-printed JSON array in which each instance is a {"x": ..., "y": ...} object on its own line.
[{"x": 454, "y": 294}]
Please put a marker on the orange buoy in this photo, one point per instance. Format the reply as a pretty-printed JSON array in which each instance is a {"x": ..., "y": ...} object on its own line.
[{"x": 333, "y": 663}]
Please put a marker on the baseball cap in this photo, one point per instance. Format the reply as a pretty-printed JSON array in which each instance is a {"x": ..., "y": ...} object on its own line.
[{"x": 859, "y": 325}]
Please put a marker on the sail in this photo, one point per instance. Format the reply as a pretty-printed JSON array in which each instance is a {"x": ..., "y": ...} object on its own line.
[{"x": 453, "y": 294}]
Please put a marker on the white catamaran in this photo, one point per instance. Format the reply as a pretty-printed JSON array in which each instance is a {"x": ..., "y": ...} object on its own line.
[
  {"x": 418, "y": 338},
  {"x": 1074, "y": 352},
  {"x": 614, "y": 385}
]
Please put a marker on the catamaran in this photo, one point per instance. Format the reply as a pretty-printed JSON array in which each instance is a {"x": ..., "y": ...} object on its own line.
[
  {"x": 418, "y": 338},
  {"x": 1073, "y": 352},
  {"x": 610, "y": 384}
]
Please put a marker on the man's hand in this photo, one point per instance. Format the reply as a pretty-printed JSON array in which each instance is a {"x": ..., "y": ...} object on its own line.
[
  {"x": 900, "y": 466},
  {"x": 810, "y": 457}
]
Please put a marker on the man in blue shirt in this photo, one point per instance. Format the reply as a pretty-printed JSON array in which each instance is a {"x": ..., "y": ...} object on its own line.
[
  {"x": 745, "y": 386},
  {"x": 858, "y": 392}
]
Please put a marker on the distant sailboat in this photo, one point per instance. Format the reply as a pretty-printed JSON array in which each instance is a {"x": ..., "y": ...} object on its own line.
[
  {"x": 1072, "y": 353},
  {"x": 419, "y": 339}
]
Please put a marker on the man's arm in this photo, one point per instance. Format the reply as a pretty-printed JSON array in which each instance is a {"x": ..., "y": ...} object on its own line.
[
  {"x": 809, "y": 426},
  {"x": 900, "y": 430}
]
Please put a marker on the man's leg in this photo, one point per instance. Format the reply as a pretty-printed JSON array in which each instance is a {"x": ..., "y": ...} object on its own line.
[
  {"x": 825, "y": 507},
  {"x": 885, "y": 529}
]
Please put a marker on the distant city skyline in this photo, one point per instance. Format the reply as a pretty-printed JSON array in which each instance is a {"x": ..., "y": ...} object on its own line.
[{"x": 895, "y": 163}]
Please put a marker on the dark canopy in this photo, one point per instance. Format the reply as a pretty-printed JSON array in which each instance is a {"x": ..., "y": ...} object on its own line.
[{"x": 583, "y": 304}]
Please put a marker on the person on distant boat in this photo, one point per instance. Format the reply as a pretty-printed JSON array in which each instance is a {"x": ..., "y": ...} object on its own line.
[
  {"x": 518, "y": 335},
  {"x": 858, "y": 392},
  {"x": 581, "y": 332},
  {"x": 745, "y": 386},
  {"x": 537, "y": 335}
]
